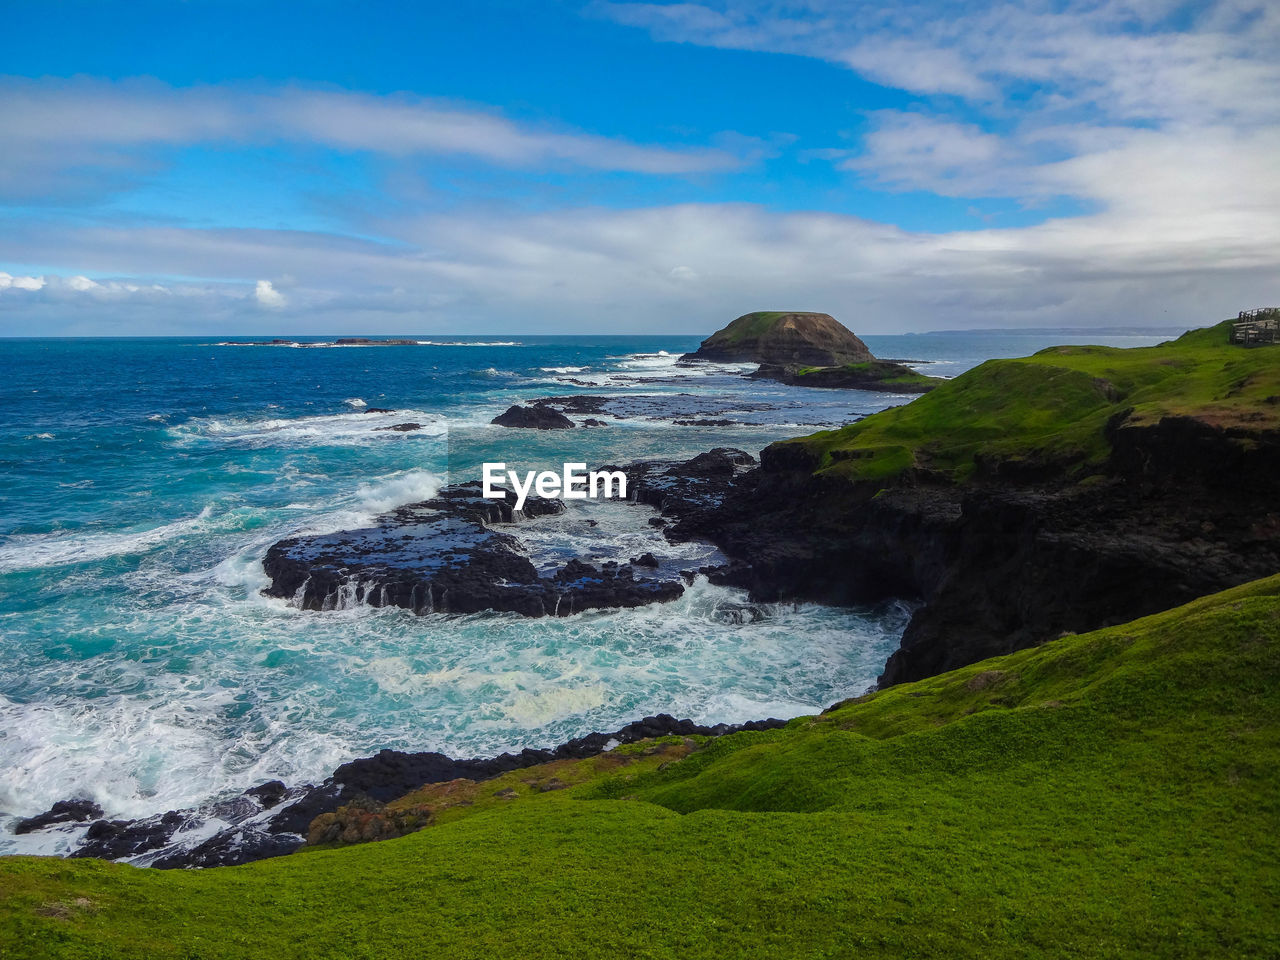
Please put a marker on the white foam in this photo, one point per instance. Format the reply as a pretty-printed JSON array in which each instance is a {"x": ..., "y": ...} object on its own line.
[
  {"x": 32, "y": 551},
  {"x": 341, "y": 429},
  {"x": 557, "y": 703}
]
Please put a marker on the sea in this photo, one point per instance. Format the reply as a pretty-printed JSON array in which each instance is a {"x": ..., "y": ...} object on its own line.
[{"x": 142, "y": 481}]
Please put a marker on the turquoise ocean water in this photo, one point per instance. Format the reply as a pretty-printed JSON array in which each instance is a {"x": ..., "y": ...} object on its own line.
[{"x": 141, "y": 482}]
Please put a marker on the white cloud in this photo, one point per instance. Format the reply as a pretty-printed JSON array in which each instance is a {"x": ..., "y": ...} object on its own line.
[
  {"x": 909, "y": 151},
  {"x": 9, "y": 281},
  {"x": 267, "y": 295},
  {"x": 63, "y": 135},
  {"x": 1164, "y": 125},
  {"x": 1151, "y": 61},
  {"x": 1186, "y": 252},
  {"x": 911, "y": 65}
]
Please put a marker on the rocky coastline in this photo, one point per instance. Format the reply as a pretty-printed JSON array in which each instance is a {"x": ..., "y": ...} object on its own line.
[
  {"x": 272, "y": 819},
  {"x": 444, "y": 556},
  {"x": 1020, "y": 546}
]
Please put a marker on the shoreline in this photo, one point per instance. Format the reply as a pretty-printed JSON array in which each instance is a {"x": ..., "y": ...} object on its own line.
[{"x": 271, "y": 819}]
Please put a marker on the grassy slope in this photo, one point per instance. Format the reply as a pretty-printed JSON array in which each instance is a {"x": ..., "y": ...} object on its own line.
[
  {"x": 1110, "y": 794},
  {"x": 749, "y": 326},
  {"x": 1055, "y": 405}
]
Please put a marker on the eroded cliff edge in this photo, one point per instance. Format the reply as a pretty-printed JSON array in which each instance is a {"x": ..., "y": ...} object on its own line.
[{"x": 1078, "y": 488}]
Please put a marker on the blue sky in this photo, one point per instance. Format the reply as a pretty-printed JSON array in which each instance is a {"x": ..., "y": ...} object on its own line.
[{"x": 573, "y": 167}]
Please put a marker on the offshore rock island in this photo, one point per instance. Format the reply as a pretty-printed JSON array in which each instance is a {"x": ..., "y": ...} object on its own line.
[{"x": 808, "y": 350}]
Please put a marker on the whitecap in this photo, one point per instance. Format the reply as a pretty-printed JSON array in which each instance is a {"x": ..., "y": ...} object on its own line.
[
  {"x": 339, "y": 429},
  {"x": 33, "y": 551}
]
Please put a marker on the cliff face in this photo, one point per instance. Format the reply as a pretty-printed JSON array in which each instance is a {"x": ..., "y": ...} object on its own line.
[
  {"x": 785, "y": 339},
  {"x": 1075, "y": 489}
]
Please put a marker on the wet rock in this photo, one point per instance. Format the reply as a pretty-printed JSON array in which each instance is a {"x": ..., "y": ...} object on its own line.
[
  {"x": 64, "y": 811},
  {"x": 577, "y": 404},
  {"x": 1009, "y": 559},
  {"x": 443, "y": 556},
  {"x": 645, "y": 560},
  {"x": 268, "y": 794},
  {"x": 401, "y": 427},
  {"x": 533, "y": 418},
  {"x": 367, "y": 784},
  {"x": 121, "y": 839}
]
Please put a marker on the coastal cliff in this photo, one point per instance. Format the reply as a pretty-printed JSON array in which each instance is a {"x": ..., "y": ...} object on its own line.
[{"x": 1073, "y": 489}]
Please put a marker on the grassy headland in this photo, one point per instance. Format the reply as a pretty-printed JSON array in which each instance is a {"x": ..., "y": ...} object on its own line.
[
  {"x": 1053, "y": 408},
  {"x": 1115, "y": 793}
]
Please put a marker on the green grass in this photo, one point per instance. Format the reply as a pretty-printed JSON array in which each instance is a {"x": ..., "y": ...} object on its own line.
[
  {"x": 1112, "y": 794},
  {"x": 749, "y": 326},
  {"x": 1052, "y": 408}
]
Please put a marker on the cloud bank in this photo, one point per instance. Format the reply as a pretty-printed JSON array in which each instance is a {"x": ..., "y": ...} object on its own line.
[{"x": 1158, "y": 122}]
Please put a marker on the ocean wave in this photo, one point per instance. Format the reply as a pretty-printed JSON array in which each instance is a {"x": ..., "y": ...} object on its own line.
[
  {"x": 32, "y": 551},
  {"x": 273, "y": 692},
  {"x": 339, "y": 429}
]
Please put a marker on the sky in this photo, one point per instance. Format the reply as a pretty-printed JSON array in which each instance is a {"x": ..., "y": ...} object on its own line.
[{"x": 598, "y": 167}]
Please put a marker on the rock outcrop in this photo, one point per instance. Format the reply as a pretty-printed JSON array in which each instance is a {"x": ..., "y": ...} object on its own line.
[
  {"x": 444, "y": 555},
  {"x": 885, "y": 376},
  {"x": 784, "y": 339},
  {"x": 533, "y": 418},
  {"x": 1028, "y": 498},
  {"x": 271, "y": 820}
]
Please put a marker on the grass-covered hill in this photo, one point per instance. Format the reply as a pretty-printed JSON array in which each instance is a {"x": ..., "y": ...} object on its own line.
[
  {"x": 1111, "y": 794},
  {"x": 1053, "y": 410},
  {"x": 784, "y": 338}
]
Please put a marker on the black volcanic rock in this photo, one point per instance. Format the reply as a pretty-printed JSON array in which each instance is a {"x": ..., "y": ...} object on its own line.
[
  {"x": 1008, "y": 560},
  {"x": 533, "y": 418},
  {"x": 691, "y": 492},
  {"x": 64, "y": 811},
  {"x": 785, "y": 339},
  {"x": 881, "y": 375},
  {"x": 271, "y": 820},
  {"x": 578, "y": 403},
  {"x": 401, "y": 427},
  {"x": 443, "y": 556}
]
